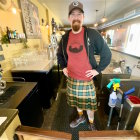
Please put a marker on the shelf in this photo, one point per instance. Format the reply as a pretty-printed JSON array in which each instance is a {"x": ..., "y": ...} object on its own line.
[{"x": 15, "y": 41}]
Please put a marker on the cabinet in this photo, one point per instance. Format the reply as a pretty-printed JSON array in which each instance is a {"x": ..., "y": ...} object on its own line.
[
  {"x": 24, "y": 96},
  {"x": 30, "y": 110},
  {"x": 47, "y": 82}
]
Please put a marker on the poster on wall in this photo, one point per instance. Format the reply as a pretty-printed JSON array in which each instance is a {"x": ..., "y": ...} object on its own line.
[{"x": 30, "y": 19}]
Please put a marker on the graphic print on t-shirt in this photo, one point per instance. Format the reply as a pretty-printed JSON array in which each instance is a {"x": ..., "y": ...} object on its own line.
[
  {"x": 78, "y": 61},
  {"x": 75, "y": 47}
]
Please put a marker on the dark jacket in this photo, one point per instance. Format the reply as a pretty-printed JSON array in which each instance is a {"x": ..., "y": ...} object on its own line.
[{"x": 93, "y": 43}]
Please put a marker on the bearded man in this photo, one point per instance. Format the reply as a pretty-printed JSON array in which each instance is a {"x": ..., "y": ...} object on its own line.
[{"x": 76, "y": 57}]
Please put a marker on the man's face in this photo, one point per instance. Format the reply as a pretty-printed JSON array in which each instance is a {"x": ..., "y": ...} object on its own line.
[{"x": 76, "y": 19}]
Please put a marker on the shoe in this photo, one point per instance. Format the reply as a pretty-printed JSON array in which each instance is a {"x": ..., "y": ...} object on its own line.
[
  {"x": 92, "y": 127},
  {"x": 77, "y": 121}
]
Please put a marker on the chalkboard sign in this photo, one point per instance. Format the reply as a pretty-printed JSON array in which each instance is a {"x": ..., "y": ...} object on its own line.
[{"x": 30, "y": 19}]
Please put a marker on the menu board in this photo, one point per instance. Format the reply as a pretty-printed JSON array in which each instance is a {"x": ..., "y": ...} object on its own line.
[{"x": 30, "y": 19}]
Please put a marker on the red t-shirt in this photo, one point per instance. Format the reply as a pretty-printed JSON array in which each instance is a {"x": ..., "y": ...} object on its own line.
[{"x": 78, "y": 62}]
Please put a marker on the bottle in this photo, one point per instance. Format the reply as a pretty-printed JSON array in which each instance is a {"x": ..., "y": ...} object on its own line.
[
  {"x": 8, "y": 34},
  {"x": 14, "y": 34},
  {"x": 112, "y": 99}
]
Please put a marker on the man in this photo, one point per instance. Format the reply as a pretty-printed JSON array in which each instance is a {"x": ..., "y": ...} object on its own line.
[
  {"x": 76, "y": 57},
  {"x": 108, "y": 39}
]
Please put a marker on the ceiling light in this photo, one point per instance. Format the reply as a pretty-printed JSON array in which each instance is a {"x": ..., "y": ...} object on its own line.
[
  {"x": 14, "y": 8},
  {"x": 47, "y": 25},
  {"x": 42, "y": 20},
  {"x": 43, "y": 23},
  {"x": 96, "y": 24},
  {"x": 104, "y": 19}
]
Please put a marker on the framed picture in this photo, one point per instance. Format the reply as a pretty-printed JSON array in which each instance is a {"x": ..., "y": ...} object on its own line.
[{"x": 30, "y": 19}]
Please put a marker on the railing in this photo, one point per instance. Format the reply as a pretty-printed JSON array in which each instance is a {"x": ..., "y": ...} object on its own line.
[
  {"x": 109, "y": 135},
  {"x": 31, "y": 133}
]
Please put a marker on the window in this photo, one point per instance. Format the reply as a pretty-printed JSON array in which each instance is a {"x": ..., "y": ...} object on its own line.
[
  {"x": 133, "y": 42},
  {"x": 111, "y": 34}
]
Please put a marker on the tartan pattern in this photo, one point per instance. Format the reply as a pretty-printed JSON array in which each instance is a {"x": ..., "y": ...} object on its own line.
[{"x": 81, "y": 94}]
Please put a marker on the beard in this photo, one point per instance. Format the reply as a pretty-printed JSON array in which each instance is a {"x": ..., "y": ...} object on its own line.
[{"x": 76, "y": 25}]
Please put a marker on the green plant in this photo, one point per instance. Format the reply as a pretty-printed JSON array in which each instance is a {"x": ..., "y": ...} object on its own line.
[{"x": 4, "y": 39}]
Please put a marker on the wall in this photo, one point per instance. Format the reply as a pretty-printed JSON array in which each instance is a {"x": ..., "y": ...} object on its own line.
[
  {"x": 121, "y": 32},
  {"x": 121, "y": 41},
  {"x": 51, "y": 15},
  {"x": 14, "y": 22}
]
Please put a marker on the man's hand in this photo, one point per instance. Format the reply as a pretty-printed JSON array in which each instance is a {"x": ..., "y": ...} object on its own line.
[
  {"x": 91, "y": 73},
  {"x": 65, "y": 71}
]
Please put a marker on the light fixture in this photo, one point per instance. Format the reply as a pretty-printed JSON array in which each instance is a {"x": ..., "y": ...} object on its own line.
[
  {"x": 13, "y": 8},
  {"x": 44, "y": 23},
  {"x": 96, "y": 24},
  {"x": 104, "y": 19},
  {"x": 47, "y": 25}
]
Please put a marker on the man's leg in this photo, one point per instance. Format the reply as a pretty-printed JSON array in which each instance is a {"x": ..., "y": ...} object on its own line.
[
  {"x": 80, "y": 119},
  {"x": 91, "y": 120}
]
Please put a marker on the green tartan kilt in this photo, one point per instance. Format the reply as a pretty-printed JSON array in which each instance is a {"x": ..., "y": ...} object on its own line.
[{"x": 81, "y": 94}]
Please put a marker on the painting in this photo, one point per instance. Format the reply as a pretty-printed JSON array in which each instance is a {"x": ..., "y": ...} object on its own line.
[{"x": 30, "y": 19}]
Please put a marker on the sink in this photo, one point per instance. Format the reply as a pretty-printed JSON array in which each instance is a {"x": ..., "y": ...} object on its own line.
[
  {"x": 130, "y": 110},
  {"x": 103, "y": 79},
  {"x": 130, "y": 83}
]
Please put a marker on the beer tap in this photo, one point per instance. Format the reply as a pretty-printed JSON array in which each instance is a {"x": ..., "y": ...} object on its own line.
[{"x": 2, "y": 82}]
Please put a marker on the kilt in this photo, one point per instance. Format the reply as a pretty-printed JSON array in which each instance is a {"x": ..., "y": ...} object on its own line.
[{"x": 81, "y": 94}]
